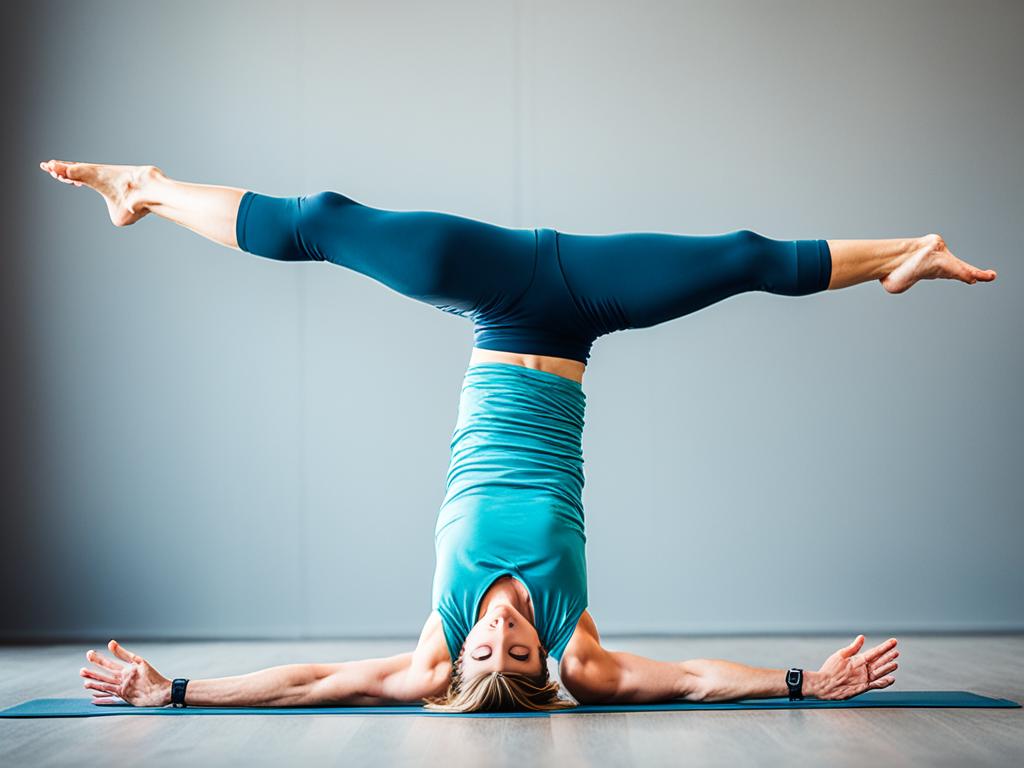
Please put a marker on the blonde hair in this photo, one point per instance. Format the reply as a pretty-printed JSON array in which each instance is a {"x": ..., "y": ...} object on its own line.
[{"x": 499, "y": 691}]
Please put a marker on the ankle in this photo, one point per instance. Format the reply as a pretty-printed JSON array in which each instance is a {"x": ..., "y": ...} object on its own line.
[
  {"x": 149, "y": 183},
  {"x": 907, "y": 249}
]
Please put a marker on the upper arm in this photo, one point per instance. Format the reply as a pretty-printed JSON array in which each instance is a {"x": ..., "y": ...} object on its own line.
[
  {"x": 404, "y": 678},
  {"x": 593, "y": 674},
  {"x": 588, "y": 671},
  {"x": 385, "y": 680}
]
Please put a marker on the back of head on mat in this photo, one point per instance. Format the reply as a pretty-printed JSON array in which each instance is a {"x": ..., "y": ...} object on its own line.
[{"x": 510, "y": 583}]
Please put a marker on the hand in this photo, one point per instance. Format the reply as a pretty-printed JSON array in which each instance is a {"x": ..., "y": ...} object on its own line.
[
  {"x": 845, "y": 674},
  {"x": 137, "y": 683}
]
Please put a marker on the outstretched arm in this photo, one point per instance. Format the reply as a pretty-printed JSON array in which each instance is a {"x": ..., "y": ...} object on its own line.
[
  {"x": 366, "y": 682},
  {"x": 595, "y": 675}
]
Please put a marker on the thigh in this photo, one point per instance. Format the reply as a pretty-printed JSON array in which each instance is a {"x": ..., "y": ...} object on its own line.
[
  {"x": 456, "y": 263},
  {"x": 639, "y": 279}
]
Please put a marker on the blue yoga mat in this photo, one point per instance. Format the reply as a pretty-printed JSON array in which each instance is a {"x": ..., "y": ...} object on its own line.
[{"x": 83, "y": 707}]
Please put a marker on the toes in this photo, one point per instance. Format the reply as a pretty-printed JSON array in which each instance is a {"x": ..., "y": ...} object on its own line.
[
  {"x": 973, "y": 275},
  {"x": 53, "y": 167},
  {"x": 965, "y": 272},
  {"x": 67, "y": 172}
]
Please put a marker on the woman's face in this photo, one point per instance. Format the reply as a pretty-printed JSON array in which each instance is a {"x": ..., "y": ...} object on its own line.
[{"x": 501, "y": 641}]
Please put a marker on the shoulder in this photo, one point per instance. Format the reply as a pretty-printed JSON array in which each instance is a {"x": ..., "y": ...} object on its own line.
[
  {"x": 583, "y": 638},
  {"x": 585, "y": 665},
  {"x": 430, "y": 665}
]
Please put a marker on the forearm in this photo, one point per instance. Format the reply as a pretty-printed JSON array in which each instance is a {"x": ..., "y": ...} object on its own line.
[
  {"x": 638, "y": 680},
  {"x": 720, "y": 680},
  {"x": 283, "y": 686}
]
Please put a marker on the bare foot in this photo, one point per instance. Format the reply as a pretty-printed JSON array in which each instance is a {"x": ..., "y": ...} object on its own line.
[
  {"x": 933, "y": 259},
  {"x": 120, "y": 185}
]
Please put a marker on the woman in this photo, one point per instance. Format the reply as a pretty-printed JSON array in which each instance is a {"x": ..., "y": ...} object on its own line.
[{"x": 510, "y": 583}]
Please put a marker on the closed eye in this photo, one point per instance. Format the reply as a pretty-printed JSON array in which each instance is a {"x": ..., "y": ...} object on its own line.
[{"x": 516, "y": 656}]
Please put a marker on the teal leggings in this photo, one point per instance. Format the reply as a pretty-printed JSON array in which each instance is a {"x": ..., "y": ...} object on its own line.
[{"x": 532, "y": 291}]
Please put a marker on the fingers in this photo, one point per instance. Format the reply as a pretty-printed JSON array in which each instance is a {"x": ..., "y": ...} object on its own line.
[
  {"x": 106, "y": 700},
  {"x": 886, "y": 657},
  {"x": 882, "y": 682},
  {"x": 123, "y": 653},
  {"x": 879, "y": 649},
  {"x": 853, "y": 647},
  {"x": 95, "y": 685},
  {"x": 103, "y": 661},
  {"x": 105, "y": 677},
  {"x": 884, "y": 670}
]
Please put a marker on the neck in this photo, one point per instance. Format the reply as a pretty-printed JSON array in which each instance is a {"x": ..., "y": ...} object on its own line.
[{"x": 507, "y": 592}]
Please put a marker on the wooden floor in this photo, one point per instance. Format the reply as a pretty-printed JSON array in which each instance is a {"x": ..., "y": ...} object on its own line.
[{"x": 989, "y": 665}]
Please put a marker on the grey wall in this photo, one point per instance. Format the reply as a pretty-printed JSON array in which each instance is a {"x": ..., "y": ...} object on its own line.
[{"x": 200, "y": 442}]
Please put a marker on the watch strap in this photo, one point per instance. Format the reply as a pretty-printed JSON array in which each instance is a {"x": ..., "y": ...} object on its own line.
[
  {"x": 178, "y": 692},
  {"x": 795, "y": 683}
]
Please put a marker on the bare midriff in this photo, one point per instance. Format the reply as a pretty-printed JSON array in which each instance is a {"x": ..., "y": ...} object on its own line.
[{"x": 560, "y": 366}]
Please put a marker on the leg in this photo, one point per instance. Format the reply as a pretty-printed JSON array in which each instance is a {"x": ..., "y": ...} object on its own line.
[
  {"x": 132, "y": 191},
  {"x": 639, "y": 279},
  {"x": 206, "y": 209},
  {"x": 455, "y": 263},
  {"x": 635, "y": 280}
]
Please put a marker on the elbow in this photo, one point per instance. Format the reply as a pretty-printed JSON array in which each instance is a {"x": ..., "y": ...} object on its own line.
[
  {"x": 591, "y": 695},
  {"x": 587, "y": 687}
]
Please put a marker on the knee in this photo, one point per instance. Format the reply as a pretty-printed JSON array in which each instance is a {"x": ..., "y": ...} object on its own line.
[
  {"x": 319, "y": 215},
  {"x": 266, "y": 226},
  {"x": 321, "y": 203},
  {"x": 749, "y": 239},
  {"x": 776, "y": 266},
  {"x": 756, "y": 257},
  {"x": 752, "y": 248},
  {"x": 319, "y": 207}
]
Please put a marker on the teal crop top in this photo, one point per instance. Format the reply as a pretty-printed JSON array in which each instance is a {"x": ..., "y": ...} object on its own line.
[{"x": 514, "y": 501}]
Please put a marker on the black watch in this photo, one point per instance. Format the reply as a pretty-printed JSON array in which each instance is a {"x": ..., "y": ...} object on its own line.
[
  {"x": 178, "y": 692},
  {"x": 795, "y": 683}
]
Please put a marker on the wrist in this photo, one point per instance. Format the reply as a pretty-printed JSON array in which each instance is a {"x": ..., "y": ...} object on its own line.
[{"x": 811, "y": 685}]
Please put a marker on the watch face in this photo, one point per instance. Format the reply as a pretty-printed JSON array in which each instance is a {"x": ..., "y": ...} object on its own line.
[{"x": 792, "y": 677}]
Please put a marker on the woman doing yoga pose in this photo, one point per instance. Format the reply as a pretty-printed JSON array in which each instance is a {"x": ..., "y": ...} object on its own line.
[{"x": 510, "y": 584}]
